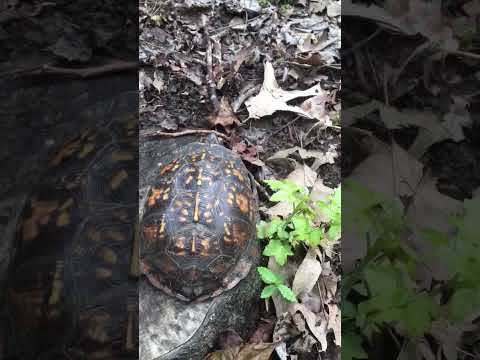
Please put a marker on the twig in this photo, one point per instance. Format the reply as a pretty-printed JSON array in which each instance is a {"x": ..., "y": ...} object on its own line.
[
  {"x": 212, "y": 86},
  {"x": 467, "y": 54},
  {"x": 151, "y": 134},
  {"x": 282, "y": 127},
  {"x": 418, "y": 50},
  {"x": 361, "y": 43},
  {"x": 49, "y": 69}
]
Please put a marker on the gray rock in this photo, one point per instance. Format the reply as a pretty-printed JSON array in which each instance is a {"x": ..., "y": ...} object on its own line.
[{"x": 173, "y": 330}]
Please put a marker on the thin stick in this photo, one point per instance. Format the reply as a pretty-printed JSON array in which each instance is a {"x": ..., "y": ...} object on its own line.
[
  {"x": 212, "y": 86},
  {"x": 150, "y": 134},
  {"x": 467, "y": 54},
  {"x": 49, "y": 69}
]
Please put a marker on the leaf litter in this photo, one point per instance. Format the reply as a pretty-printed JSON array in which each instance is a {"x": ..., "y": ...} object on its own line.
[{"x": 281, "y": 126}]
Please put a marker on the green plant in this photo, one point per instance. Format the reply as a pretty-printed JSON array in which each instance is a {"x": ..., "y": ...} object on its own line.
[
  {"x": 264, "y": 3},
  {"x": 300, "y": 227},
  {"x": 461, "y": 255},
  {"x": 381, "y": 292},
  {"x": 275, "y": 282},
  {"x": 284, "y": 4}
]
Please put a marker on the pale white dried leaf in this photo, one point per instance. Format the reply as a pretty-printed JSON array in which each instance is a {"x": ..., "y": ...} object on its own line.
[
  {"x": 283, "y": 154},
  {"x": 307, "y": 274},
  {"x": 272, "y": 98},
  {"x": 315, "y": 106},
  {"x": 282, "y": 209},
  {"x": 335, "y": 322},
  {"x": 334, "y": 9},
  {"x": 303, "y": 176}
]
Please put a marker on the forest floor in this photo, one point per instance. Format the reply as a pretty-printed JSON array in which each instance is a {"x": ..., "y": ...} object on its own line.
[{"x": 267, "y": 78}]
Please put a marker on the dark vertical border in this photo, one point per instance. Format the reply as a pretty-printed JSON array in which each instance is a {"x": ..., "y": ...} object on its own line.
[{"x": 69, "y": 127}]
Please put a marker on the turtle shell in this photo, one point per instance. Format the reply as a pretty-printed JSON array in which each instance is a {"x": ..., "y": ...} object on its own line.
[
  {"x": 198, "y": 226},
  {"x": 70, "y": 293}
]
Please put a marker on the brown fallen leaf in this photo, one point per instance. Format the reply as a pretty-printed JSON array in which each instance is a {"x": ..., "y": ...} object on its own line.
[
  {"x": 229, "y": 339},
  {"x": 248, "y": 153},
  {"x": 244, "y": 352},
  {"x": 225, "y": 116},
  {"x": 264, "y": 332},
  {"x": 317, "y": 324}
]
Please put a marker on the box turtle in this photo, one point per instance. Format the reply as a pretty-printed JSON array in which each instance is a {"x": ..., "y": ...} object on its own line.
[
  {"x": 72, "y": 290},
  {"x": 198, "y": 226}
]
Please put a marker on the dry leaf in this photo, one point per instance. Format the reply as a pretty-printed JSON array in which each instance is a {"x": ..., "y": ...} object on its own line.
[
  {"x": 324, "y": 157},
  {"x": 335, "y": 322},
  {"x": 422, "y": 17},
  {"x": 307, "y": 274},
  {"x": 272, "y": 98},
  {"x": 282, "y": 209},
  {"x": 303, "y": 176},
  {"x": 315, "y": 106},
  {"x": 316, "y": 323},
  {"x": 432, "y": 210},
  {"x": 245, "y": 352},
  {"x": 225, "y": 116}
]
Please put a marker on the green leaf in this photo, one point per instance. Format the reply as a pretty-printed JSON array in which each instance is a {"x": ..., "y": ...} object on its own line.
[
  {"x": 462, "y": 304},
  {"x": 348, "y": 310},
  {"x": 268, "y": 276},
  {"x": 287, "y": 293},
  {"x": 315, "y": 237},
  {"x": 302, "y": 229},
  {"x": 262, "y": 227},
  {"x": 282, "y": 195},
  {"x": 352, "y": 347},
  {"x": 334, "y": 232},
  {"x": 280, "y": 250},
  {"x": 286, "y": 185},
  {"x": 282, "y": 233},
  {"x": 274, "y": 226},
  {"x": 301, "y": 223},
  {"x": 268, "y": 291},
  {"x": 419, "y": 314}
]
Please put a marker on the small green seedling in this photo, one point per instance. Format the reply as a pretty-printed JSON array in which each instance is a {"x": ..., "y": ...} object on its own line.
[
  {"x": 275, "y": 282},
  {"x": 299, "y": 227}
]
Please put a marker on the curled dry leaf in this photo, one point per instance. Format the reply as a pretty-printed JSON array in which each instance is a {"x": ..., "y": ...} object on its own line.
[
  {"x": 317, "y": 324},
  {"x": 315, "y": 106},
  {"x": 282, "y": 209},
  {"x": 228, "y": 339},
  {"x": 263, "y": 333},
  {"x": 323, "y": 157},
  {"x": 335, "y": 322},
  {"x": 225, "y": 116},
  {"x": 272, "y": 98},
  {"x": 248, "y": 153},
  {"x": 307, "y": 274},
  {"x": 312, "y": 301}
]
